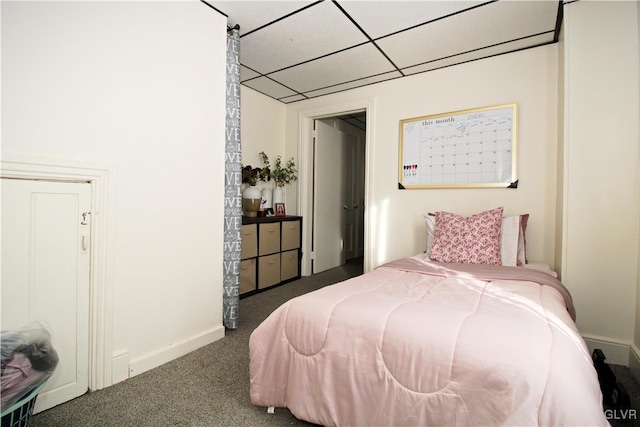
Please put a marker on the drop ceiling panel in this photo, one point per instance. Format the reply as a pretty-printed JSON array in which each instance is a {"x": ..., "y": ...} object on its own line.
[
  {"x": 254, "y": 14},
  {"x": 479, "y": 54},
  {"x": 266, "y": 85},
  {"x": 356, "y": 63},
  {"x": 294, "y": 98},
  {"x": 399, "y": 15},
  {"x": 311, "y": 33},
  {"x": 247, "y": 74},
  {"x": 478, "y": 28},
  {"x": 354, "y": 84}
]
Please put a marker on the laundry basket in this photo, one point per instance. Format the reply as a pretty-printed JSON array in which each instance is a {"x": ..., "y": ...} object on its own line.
[{"x": 19, "y": 414}]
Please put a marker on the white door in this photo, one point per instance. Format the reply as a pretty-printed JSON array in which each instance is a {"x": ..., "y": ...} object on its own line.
[
  {"x": 45, "y": 274},
  {"x": 329, "y": 197}
]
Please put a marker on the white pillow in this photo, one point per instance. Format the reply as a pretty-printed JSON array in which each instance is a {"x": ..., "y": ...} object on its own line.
[
  {"x": 431, "y": 227},
  {"x": 509, "y": 240}
]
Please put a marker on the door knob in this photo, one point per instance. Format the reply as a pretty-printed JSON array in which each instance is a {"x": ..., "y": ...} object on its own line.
[{"x": 345, "y": 207}]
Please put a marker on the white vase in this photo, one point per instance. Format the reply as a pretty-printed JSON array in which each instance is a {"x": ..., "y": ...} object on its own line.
[
  {"x": 278, "y": 195},
  {"x": 251, "y": 201},
  {"x": 267, "y": 198}
]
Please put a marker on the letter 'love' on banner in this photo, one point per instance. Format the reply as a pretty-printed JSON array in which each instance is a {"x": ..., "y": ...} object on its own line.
[{"x": 233, "y": 186}]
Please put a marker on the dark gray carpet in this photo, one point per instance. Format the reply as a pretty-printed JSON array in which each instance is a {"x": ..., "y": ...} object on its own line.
[{"x": 210, "y": 386}]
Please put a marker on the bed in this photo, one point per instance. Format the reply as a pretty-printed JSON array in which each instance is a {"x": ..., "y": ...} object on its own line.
[{"x": 426, "y": 342}]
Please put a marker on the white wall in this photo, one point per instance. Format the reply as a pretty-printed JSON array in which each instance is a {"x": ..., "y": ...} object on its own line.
[
  {"x": 528, "y": 78},
  {"x": 262, "y": 126},
  {"x": 601, "y": 203},
  {"x": 136, "y": 89}
]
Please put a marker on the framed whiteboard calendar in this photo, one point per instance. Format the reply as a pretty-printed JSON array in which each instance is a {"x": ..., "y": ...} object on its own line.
[{"x": 474, "y": 148}]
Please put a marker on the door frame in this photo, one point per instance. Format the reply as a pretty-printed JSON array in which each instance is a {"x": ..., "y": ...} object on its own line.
[
  {"x": 100, "y": 289},
  {"x": 305, "y": 178}
]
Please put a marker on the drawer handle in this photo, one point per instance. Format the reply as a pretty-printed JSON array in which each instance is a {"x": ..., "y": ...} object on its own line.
[
  {"x": 246, "y": 233},
  {"x": 272, "y": 262},
  {"x": 271, "y": 230}
]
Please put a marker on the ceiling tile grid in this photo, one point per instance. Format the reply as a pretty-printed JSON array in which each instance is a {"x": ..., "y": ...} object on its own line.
[
  {"x": 296, "y": 39},
  {"x": 400, "y": 15},
  {"x": 473, "y": 55},
  {"x": 355, "y": 63},
  {"x": 296, "y": 50}
]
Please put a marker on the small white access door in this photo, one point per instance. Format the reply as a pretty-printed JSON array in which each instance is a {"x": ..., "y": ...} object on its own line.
[
  {"x": 329, "y": 197},
  {"x": 45, "y": 274}
]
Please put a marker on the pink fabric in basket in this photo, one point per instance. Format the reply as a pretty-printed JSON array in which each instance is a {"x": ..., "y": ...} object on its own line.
[
  {"x": 18, "y": 379},
  {"x": 472, "y": 240}
]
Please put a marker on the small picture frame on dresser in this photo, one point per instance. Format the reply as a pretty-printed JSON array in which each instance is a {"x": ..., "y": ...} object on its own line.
[{"x": 279, "y": 209}]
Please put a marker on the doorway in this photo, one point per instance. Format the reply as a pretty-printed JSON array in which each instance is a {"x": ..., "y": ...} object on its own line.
[
  {"x": 338, "y": 191},
  {"x": 305, "y": 205}
]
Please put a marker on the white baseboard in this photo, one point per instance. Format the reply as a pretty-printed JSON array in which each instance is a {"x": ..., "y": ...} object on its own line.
[
  {"x": 167, "y": 354},
  {"x": 617, "y": 353},
  {"x": 119, "y": 366}
]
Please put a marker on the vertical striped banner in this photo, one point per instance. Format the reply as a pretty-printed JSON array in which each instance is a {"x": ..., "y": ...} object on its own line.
[{"x": 233, "y": 185}]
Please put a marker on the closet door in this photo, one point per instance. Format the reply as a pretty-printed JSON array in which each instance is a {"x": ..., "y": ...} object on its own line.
[{"x": 45, "y": 274}]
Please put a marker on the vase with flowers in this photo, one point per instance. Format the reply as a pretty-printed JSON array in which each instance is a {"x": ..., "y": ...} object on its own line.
[
  {"x": 251, "y": 197},
  {"x": 281, "y": 173}
]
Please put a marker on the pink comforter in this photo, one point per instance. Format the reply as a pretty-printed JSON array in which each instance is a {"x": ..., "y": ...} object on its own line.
[{"x": 428, "y": 344}]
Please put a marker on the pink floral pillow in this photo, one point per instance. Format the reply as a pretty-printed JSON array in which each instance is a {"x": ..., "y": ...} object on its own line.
[{"x": 472, "y": 240}]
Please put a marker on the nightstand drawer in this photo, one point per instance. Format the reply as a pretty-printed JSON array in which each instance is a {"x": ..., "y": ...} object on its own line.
[
  {"x": 249, "y": 241},
  {"x": 290, "y": 235},
  {"x": 288, "y": 265},
  {"x": 247, "y": 275},
  {"x": 268, "y": 270},
  {"x": 269, "y": 238}
]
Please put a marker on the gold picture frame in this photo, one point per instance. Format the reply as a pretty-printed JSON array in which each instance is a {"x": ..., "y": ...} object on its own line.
[{"x": 475, "y": 148}]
